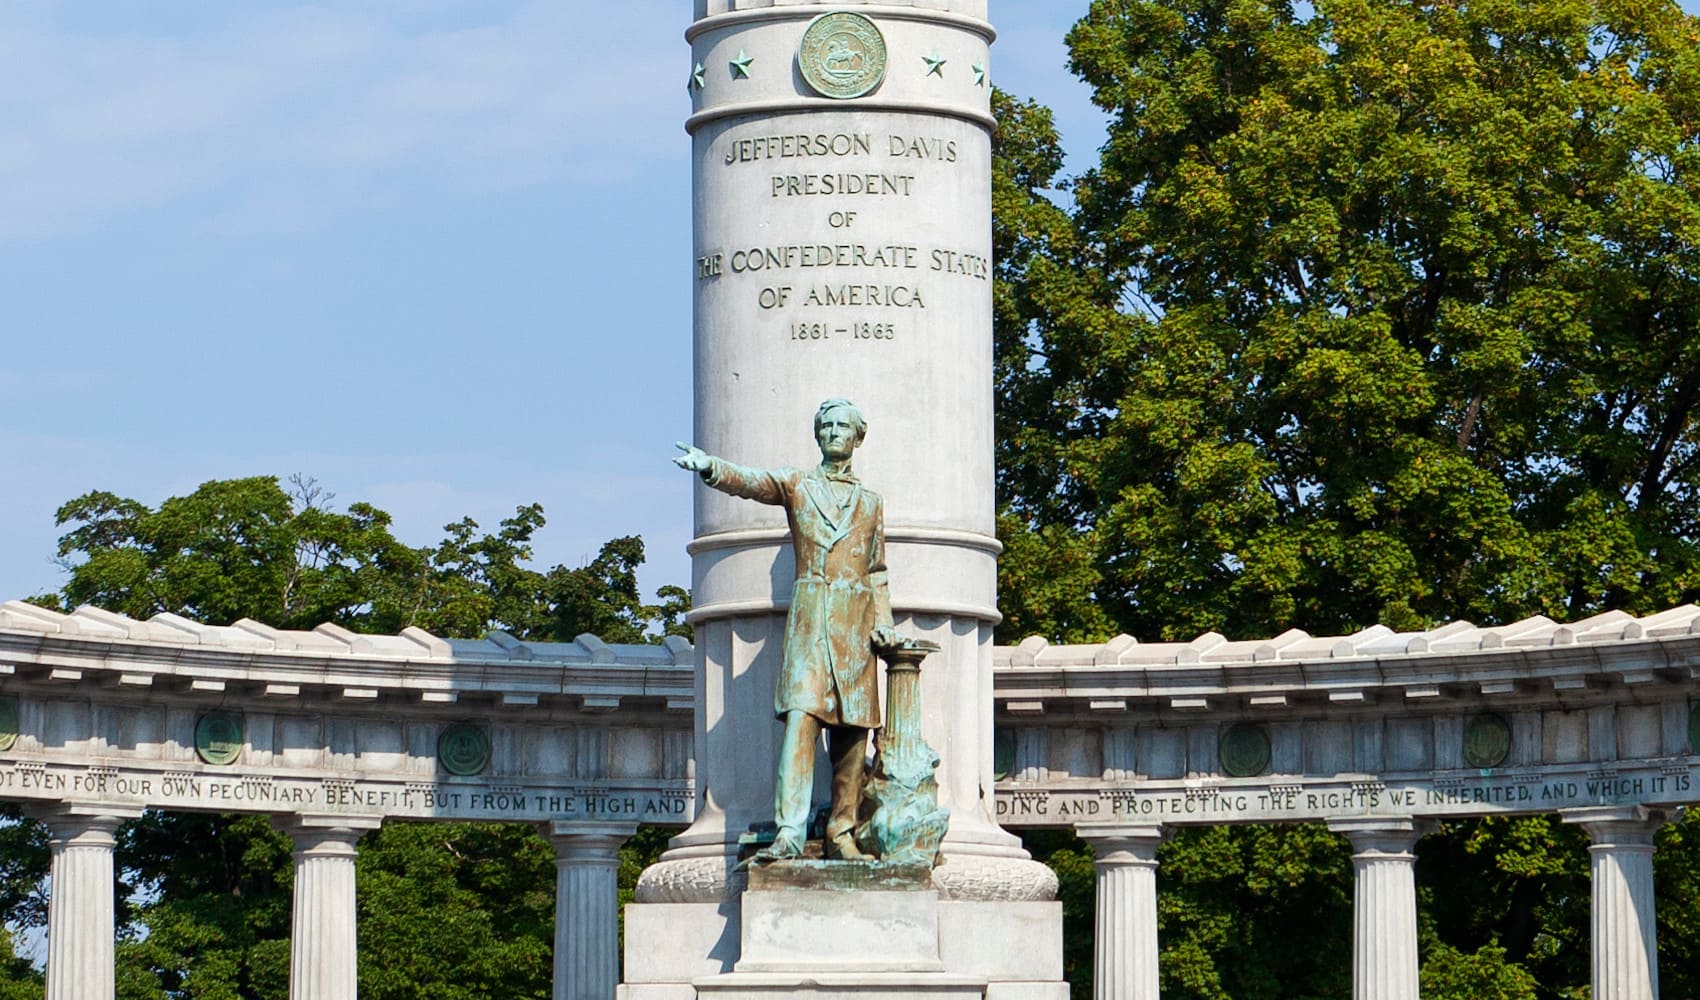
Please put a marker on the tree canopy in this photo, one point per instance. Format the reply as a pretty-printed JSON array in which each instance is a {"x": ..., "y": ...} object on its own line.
[
  {"x": 252, "y": 548},
  {"x": 447, "y": 910},
  {"x": 1370, "y": 311}
]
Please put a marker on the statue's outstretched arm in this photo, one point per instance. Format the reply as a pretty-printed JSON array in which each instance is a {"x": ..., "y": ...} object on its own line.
[{"x": 751, "y": 484}]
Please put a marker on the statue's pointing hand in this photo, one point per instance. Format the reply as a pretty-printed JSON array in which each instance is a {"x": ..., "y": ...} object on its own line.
[{"x": 694, "y": 459}]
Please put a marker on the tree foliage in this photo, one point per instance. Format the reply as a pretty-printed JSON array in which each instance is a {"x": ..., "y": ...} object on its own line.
[
  {"x": 250, "y": 548},
  {"x": 449, "y": 911},
  {"x": 1371, "y": 311}
]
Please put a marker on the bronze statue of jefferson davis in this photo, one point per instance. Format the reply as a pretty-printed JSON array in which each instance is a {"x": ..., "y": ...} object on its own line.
[{"x": 840, "y": 614}]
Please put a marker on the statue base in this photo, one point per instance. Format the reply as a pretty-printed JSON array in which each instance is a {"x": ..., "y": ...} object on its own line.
[
  {"x": 843, "y": 930},
  {"x": 838, "y": 916}
]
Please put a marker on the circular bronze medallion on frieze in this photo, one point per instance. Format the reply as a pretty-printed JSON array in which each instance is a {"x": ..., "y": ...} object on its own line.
[
  {"x": 842, "y": 55},
  {"x": 1487, "y": 740},
  {"x": 1244, "y": 749},
  {"x": 8, "y": 723},
  {"x": 464, "y": 749},
  {"x": 218, "y": 737},
  {"x": 1003, "y": 754}
]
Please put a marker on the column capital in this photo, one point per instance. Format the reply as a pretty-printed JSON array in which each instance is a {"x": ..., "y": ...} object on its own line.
[
  {"x": 84, "y": 824},
  {"x": 587, "y": 840},
  {"x": 325, "y": 835},
  {"x": 1382, "y": 835},
  {"x": 1115, "y": 844},
  {"x": 1617, "y": 826}
]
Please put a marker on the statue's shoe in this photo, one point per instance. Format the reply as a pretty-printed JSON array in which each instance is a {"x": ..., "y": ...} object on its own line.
[{"x": 785, "y": 847}]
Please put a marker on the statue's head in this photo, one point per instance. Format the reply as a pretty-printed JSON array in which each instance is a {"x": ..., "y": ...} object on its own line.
[{"x": 839, "y": 428}]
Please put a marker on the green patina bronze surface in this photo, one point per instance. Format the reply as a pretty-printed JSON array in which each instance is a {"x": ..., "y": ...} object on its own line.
[
  {"x": 463, "y": 749},
  {"x": 8, "y": 723},
  {"x": 1003, "y": 754},
  {"x": 1487, "y": 740},
  {"x": 840, "y": 609},
  {"x": 906, "y": 824},
  {"x": 1244, "y": 749},
  {"x": 842, "y": 55},
  {"x": 842, "y": 876},
  {"x": 219, "y": 737}
]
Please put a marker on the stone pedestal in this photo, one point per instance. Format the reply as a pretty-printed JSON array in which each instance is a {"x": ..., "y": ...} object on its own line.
[
  {"x": 843, "y": 929},
  {"x": 322, "y": 946},
  {"x": 1625, "y": 936},
  {"x": 838, "y": 928},
  {"x": 1384, "y": 908},
  {"x": 80, "y": 928},
  {"x": 1124, "y": 958},
  {"x": 587, "y": 930},
  {"x": 834, "y": 916}
]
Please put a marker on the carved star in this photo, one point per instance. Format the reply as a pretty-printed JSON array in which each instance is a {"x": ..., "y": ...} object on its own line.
[
  {"x": 979, "y": 69},
  {"x": 935, "y": 64},
  {"x": 741, "y": 65},
  {"x": 696, "y": 77}
]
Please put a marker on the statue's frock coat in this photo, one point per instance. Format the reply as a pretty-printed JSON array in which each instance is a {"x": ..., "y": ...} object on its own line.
[{"x": 840, "y": 595}]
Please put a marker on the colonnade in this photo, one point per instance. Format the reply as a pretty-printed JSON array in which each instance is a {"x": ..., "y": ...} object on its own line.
[
  {"x": 1384, "y": 905},
  {"x": 322, "y": 961},
  {"x": 80, "y": 929}
]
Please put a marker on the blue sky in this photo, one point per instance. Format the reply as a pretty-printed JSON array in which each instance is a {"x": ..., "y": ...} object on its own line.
[{"x": 435, "y": 253}]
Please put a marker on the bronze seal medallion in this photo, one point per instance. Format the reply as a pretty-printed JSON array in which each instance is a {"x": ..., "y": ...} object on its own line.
[{"x": 842, "y": 55}]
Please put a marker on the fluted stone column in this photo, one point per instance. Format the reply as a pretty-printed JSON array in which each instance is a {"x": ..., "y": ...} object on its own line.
[
  {"x": 80, "y": 928},
  {"x": 1625, "y": 941},
  {"x": 323, "y": 946},
  {"x": 1124, "y": 948},
  {"x": 587, "y": 929},
  {"x": 1384, "y": 907}
]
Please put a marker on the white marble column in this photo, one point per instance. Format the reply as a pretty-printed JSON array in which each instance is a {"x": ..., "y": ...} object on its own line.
[
  {"x": 323, "y": 943},
  {"x": 587, "y": 915},
  {"x": 1625, "y": 942},
  {"x": 1384, "y": 907},
  {"x": 80, "y": 928},
  {"x": 1124, "y": 946}
]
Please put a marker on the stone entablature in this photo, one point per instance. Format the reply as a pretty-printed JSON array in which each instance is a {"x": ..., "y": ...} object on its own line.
[
  {"x": 1524, "y": 718},
  {"x": 103, "y": 710},
  {"x": 1595, "y": 713}
]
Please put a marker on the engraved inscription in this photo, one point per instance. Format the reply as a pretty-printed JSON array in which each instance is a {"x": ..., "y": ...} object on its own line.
[{"x": 881, "y": 275}]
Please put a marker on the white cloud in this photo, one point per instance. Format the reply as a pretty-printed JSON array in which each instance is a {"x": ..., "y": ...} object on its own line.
[{"x": 312, "y": 106}]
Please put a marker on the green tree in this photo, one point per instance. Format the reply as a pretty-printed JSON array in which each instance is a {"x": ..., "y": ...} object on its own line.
[
  {"x": 1371, "y": 311},
  {"x": 19, "y": 980},
  {"x": 250, "y": 548},
  {"x": 1381, "y": 312},
  {"x": 1486, "y": 974},
  {"x": 242, "y": 548},
  {"x": 452, "y": 911}
]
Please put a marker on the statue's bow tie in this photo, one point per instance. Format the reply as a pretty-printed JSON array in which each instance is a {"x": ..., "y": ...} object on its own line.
[{"x": 840, "y": 477}]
